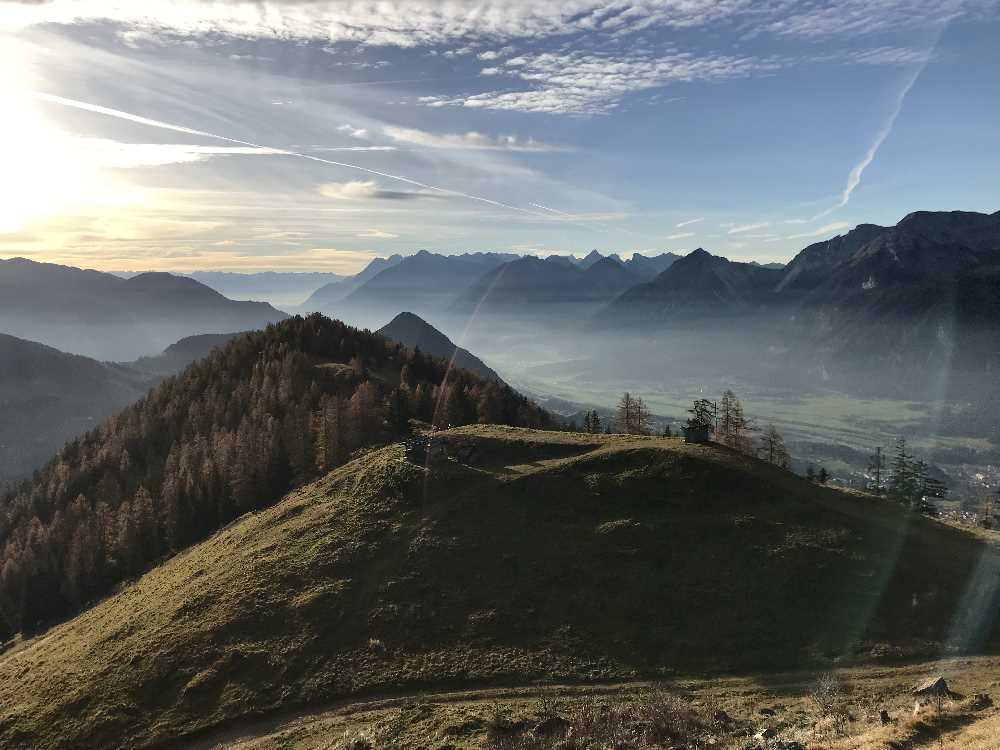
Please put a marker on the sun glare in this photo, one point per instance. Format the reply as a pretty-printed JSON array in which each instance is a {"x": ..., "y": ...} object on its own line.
[{"x": 46, "y": 175}]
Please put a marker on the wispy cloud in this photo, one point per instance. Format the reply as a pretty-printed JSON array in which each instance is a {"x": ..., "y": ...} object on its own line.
[
  {"x": 821, "y": 231},
  {"x": 590, "y": 83},
  {"x": 113, "y": 154},
  {"x": 377, "y": 234},
  {"x": 471, "y": 140},
  {"x": 749, "y": 227},
  {"x": 689, "y": 222},
  {"x": 862, "y": 17},
  {"x": 680, "y": 235},
  {"x": 363, "y": 190},
  {"x": 891, "y": 56},
  {"x": 409, "y": 24},
  {"x": 424, "y": 187}
]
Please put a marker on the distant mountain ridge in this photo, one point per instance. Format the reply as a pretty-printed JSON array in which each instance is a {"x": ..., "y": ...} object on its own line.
[
  {"x": 330, "y": 293},
  {"x": 697, "y": 285},
  {"x": 48, "y": 397},
  {"x": 106, "y": 317},
  {"x": 279, "y": 288},
  {"x": 416, "y": 333},
  {"x": 433, "y": 283},
  {"x": 926, "y": 288},
  {"x": 424, "y": 280},
  {"x": 529, "y": 285},
  {"x": 181, "y": 353}
]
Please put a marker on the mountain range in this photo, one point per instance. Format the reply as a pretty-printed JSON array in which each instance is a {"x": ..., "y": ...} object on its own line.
[
  {"x": 500, "y": 283},
  {"x": 926, "y": 288},
  {"x": 532, "y": 286},
  {"x": 279, "y": 288},
  {"x": 106, "y": 317},
  {"x": 904, "y": 295},
  {"x": 329, "y": 293}
]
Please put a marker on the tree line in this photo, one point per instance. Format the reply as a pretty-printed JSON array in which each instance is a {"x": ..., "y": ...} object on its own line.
[{"x": 233, "y": 433}]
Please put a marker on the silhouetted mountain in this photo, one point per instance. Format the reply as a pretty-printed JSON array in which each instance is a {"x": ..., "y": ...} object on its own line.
[
  {"x": 608, "y": 277},
  {"x": 926, "y": 289},
  {"x": 698, "y": 285},
  {"x": 648, "y": 267},
  {"x": 530, "y": 285},
  {"x": 590, "y": 259},
  {"x": 107, "y": 317},
  {"x": 416, "y": 333},
  {"x": 180, "y": 354},
  {"x": 923, "y": 292},
  {"x": 563, "y": 260},
  {"x": 48, "y": 397},
  {"x": 424, "y": 281},
  {"x": 326, "y": 295}
]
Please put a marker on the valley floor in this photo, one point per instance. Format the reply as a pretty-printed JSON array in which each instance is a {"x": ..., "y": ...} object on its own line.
[{"x": 788, "y": 704}]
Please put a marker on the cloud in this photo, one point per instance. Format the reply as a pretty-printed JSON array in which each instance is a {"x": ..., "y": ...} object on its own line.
[
  {"x": 361, "y": 190},
  {"x": 823, "y": 230},
  {"x": 111, "y": 154},
  {"x": 591, "y": 83},
  {"x": 402, "y": 24},
  {"x": 689, "y": 222},
  {"x": 352, "y": 131},
  {"x": 425, "y": 188},
  {"x": 680, "y": 235},
  {"x": 863, "y": 17},
  {"x": 468, "y": 141},
  {"x": 377, "y": 234},
  {"x": 749, "y": 227},
  {"x": 890, "y": 56}
]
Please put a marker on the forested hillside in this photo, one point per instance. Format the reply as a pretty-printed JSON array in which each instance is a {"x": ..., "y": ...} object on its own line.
[{"x": 272, "y": 410}]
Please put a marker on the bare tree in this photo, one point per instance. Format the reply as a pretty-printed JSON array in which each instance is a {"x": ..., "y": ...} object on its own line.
[
  {"x": 773, "y": 447},
  {"x": 633, "y": 418}
]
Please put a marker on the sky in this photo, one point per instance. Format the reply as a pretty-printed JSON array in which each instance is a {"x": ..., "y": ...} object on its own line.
[{"x": 191, "y": 135}]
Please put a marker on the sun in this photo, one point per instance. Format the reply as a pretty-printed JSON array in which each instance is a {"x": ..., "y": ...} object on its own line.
[{"x": 45, "y": 175}]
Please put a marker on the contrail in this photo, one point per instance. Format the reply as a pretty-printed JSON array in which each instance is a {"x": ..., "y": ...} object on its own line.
[
  {"x": 854, "y": 178},
  {"x": 690, "y": 221},
  {"x": 204, "y": 134},
  {"x": 550, "y": 210}
]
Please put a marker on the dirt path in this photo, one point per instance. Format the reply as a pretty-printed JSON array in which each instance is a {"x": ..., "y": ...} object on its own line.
[{"x": 314, "y": 727}]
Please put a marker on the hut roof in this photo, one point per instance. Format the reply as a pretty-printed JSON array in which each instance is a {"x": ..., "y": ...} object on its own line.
[{"x": 932, "y": 686}]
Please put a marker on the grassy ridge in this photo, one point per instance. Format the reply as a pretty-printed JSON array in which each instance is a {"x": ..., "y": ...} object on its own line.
[{"x": 538, "y": 556}]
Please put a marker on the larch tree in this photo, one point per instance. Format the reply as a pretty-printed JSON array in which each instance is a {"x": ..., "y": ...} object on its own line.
[
  {"x": 773, "y": 447},
  {"x": 632, "y": 416}
]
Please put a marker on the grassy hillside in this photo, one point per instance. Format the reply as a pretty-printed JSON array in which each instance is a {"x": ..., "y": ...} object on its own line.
[{"x": 524, "y": 556}]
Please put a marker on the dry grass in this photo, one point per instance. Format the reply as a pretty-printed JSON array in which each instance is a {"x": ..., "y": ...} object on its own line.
[
  {"x": 544, "y": 556},
  {"x": 721, "y": 713}
]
